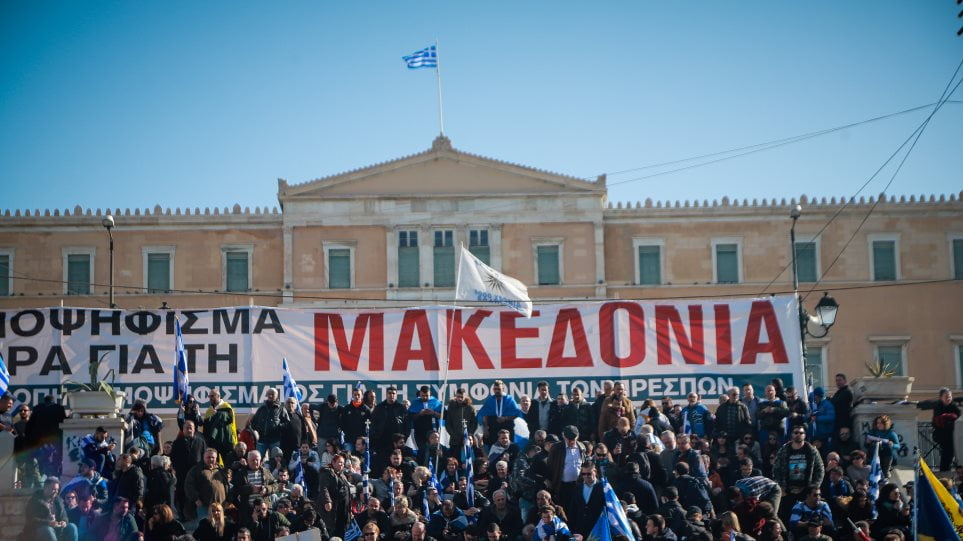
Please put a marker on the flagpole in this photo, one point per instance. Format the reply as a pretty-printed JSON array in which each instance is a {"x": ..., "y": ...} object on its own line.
[
  {"x": 916, "y": 493},
  {"x": 441, "y": 117}
]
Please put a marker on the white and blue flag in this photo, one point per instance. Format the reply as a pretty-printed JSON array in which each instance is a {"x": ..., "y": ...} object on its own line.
[
  {"x": 291, "y": 388},
  {"x": 469, "y": 472},
  {"x": 618, "y": 520},
  {"x": 352, "y": 532},
  {"x": 182, "y": 383},
  {"x": 477, "y": 281},
  {"x": 425, "y": 58},
  {"x": 875, "y": 476},
  {"x": 5, "y": 376}
]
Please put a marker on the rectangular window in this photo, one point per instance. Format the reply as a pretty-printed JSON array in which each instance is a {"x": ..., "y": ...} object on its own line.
[
  {"x": 959, "y": 361},
  {"x": 78, "y": 274},
  {"x": 408, "y": 262},
  {"x": 478, "y": 245},
  {"x": 5, "y": 288},
  {"x": 884, "y": 260},
  {"x": 237, "y": 271},
  {"x": 548, "y": 265},
  {"x": 958, "y": 259},
  {"x": 892, "y": 358},
  {"x": 339, "y": 268},
  {"x": 650, "y": 265},
  {"x": 158, "y": 272},
  {"x": 806, "y": 262},
  {"x": 444, "y": 259},
  {"x": 727, "y": 263},
  {"x": 814, "y": 365}
]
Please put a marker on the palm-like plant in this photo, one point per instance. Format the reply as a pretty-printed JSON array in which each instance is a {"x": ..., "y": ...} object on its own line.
[{"x": 880, "y": 369}]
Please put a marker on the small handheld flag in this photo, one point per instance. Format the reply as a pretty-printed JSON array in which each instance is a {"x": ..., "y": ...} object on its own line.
[
  {"x": 469, "y": 472},
  {"x": 291, "y": 389},
  {"x": 182, "y": 384},
  {"x": 425, "y": 58},
  {"x": 875, "y": 475},
  {"x": 686, "y": 425}
]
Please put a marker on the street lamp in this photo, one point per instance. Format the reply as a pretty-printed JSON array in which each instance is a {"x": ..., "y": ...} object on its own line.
[
  {"x": 108, "y": 223},
  {"x": 816, "y": 325}
]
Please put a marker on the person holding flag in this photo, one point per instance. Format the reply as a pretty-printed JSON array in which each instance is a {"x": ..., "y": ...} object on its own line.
[
  {"x": 550, "y": 527},
  {"x": 219, "y": 427},
  {"x": 498, "y": 413}
]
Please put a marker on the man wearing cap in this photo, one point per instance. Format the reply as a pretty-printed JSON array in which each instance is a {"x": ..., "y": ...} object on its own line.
[
  {"x": 564, "y": 466},
  {"x": 144, "y": 428},
  {"x": 823, "y": 417},
  {"x": 498, "y": 413},
  {"x": 88, "y": 481},
  {"x": 814, "y": 532}
]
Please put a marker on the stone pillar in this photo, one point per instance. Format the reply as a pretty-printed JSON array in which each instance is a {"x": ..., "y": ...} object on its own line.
[
  {"x": 74, "y": 432},
  {"x": 904, "y": 424}
]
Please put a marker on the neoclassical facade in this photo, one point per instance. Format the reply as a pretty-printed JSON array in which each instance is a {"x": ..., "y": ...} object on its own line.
[{"x": 388, "y": 235}]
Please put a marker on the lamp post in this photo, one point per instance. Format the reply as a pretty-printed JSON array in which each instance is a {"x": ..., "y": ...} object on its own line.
[
  {"x": 108, "y": 223},
  {"x": 817, "y": 325}
]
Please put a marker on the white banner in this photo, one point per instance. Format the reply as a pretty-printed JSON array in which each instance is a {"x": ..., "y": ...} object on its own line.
[{"x": 658, "y": 348}]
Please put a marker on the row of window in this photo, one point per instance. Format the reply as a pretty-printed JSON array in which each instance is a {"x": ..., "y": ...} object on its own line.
[
  {"x": 727, "y": 260},
  {"x": 727, "y": 263},
  {"x": 891, "y": 353}
]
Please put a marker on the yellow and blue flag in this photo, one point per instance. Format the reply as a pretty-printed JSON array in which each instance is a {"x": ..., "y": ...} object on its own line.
[{"x": 938, "y": 515}]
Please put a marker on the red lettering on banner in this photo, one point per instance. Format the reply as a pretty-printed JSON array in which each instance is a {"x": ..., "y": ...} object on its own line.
[
  {"x": 467, "y": 334},
  {"x": 568, "y": 318},
  {"x": 762, "y": 312},
  {"x": 723, "y": 334},
  {"x": 607, "y": 334},
  {"x": 693, "y": 351},
  {"x": 349, "y": 355},
  {"x": 415, "y": 321},
  {"x": 510, "y": 334}
]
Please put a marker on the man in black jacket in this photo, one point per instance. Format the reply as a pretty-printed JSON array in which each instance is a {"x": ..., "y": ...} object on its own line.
[
  {"x": 538, "y": 414},
  {"x": 588, "y": 502},
  {"x": 388, "y": 418},
  {"x": 186, "y": 452},
  {"x": 843, "y": 402}
]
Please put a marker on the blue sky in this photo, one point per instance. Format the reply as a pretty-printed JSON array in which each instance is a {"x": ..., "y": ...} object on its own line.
[{"x": 132, "y": 104}]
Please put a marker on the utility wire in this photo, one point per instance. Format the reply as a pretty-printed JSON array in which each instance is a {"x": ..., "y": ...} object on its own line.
[
  {"x": 271, "y": 295},
  {"x": 947, "y": 93}
]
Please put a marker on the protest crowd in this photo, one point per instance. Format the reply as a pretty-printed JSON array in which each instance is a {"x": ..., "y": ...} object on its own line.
[{"x": 781, "y": 466}]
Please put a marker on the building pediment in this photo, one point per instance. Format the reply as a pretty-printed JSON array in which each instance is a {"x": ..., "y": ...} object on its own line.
[{"x": 440, "y": 171}]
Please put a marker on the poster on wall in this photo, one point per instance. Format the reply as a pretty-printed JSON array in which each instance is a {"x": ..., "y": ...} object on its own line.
[{"x": 657, "y": 348}]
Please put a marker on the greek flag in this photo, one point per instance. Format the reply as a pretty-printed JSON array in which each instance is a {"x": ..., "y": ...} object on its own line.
[
  {"x": 366, "y": 466},
  {"x": 352, "y": 532},
  {"x": 291, "y": 388},
  {"x": 476, "y": 281},
  {"x": 391, "y": 493},
  {"x": 5, "y": 376},
  {"x": 686, "y": 425},
  {"x": 182, "y": 384},
  {"x": 425, "y": 510},
  {"x": 299, "y": 475},
  {"x": 618, "y": 521},
  {"x": 875, "y": 475},
  {"x": 469, "y": 472},
  {"x": 425, "y": 58}
]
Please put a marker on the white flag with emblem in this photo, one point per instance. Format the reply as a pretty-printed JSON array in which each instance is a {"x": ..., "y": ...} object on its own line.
[{"x": 478, "y": 282}]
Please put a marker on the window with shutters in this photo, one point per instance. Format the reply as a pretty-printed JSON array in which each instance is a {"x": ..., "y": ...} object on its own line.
[
  {"x": 648, "y": 261},
  {"x": 956, "y": 257},
  {"x": 408, "y": 260},
  {"x": 6, "y": 273},
  {"x": 548, "y": 262},
  {"x": 78, "y": 271},
  {"x": 443, "y": 253},
  {"x": 478, "y": 245},
  {"x": 807, "y": 261},
  {"x": 884, "y": 257},
  {"x": 816, "y": 364},
  {"x": 727, "y": 260},
  {"x": 237, "y": 266},
  {"x": 158, "y": 268},
  {"x": 339, "y": 261}
]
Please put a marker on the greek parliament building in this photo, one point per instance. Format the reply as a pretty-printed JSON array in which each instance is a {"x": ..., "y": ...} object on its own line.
[{"x": 388, "y": 235}]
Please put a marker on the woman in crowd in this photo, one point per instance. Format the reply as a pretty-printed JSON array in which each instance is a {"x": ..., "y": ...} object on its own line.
[
  {"x": 883, "y": 436},
  {"x": 401, "y": 520},
  {"x": 215, "y": 527},
  {"x": 161, "y": 525}
]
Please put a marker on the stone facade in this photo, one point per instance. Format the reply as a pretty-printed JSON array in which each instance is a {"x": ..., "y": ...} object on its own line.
[{"x": 914, "y": 318}]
